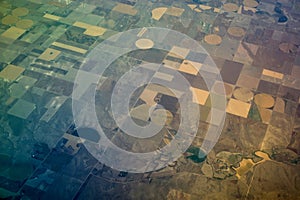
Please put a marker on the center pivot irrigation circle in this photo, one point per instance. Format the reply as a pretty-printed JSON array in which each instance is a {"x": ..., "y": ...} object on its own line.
[{"x": 102, "y": 56}]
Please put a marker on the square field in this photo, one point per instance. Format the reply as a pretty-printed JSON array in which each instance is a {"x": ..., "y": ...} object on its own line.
[
  {"x": 22, "y": 109},
  {"x": 11, "y": 72}
]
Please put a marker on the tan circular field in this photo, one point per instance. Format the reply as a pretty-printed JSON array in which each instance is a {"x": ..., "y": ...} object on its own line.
[
  {"x": 236, "y": 31},
  {"x": 264, "y": 100},
  {"x": 20, "y": 11},
  {"x": 213, "y": 39},
  {"x": 243, "y": 94},
  {"x": 24, "y": 23},
  {"x": 230, "y": 7},
  {"x": 9, "y": 20},
  {"x": 144, "y": 44},
  {"x": 250, "y": 3}
]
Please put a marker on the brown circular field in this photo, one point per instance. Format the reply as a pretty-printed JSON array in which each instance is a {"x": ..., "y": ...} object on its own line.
[
  {"x": 230, "y": 7},
  {"x": 243, "y": 94},
  {"x": 20, "y": 11},
  {"x": 213, "y": 39},
  {"x": 24, "y": 23},
  {"x": 9, "y": 20},
  {"x": 264, "y": 100},
  {"x": 250, "y": 3},
  {"x": 236, "y": 31}
]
